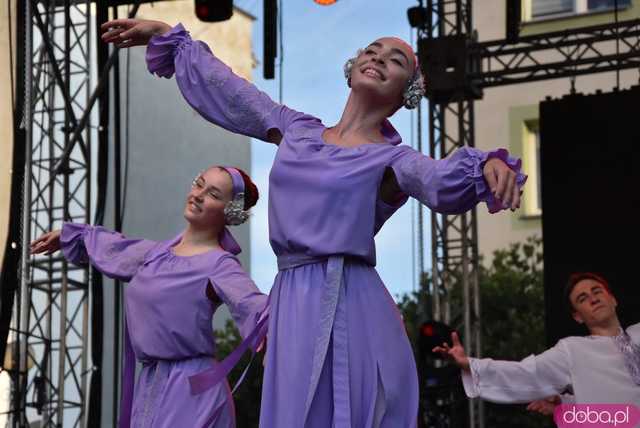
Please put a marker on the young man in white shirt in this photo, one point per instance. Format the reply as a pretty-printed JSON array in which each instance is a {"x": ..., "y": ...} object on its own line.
[{"x": 601, "y": 368}]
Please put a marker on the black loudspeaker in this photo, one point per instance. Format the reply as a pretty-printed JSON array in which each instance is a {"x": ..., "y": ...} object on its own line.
[
  {"x": 590, "y": 163},
  {"x": 270, "y": 48},
  {"x": 447, "y": 61},
  {"x": 214, "y": 10}
]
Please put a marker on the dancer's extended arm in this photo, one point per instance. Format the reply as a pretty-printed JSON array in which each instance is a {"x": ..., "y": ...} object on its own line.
[
  {"x": 534, "y": 378},
  {"x": 246, "y": 303},
  {"x": 206, "y": 83},
  {"x": 109, "y": 252},
  {"x": 458, "y": 182}
]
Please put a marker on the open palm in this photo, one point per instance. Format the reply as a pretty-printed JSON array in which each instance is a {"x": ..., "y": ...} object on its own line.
[
  {"x": 455, "y": 352},
  {"x": 48, "y": 243},
  {"x": 125, "y": 33}
]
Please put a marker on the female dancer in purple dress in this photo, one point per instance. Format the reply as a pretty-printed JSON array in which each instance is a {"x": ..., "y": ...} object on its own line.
[
  {"x": 331, "y": 189},
  {"x": 174, "y": 289}
]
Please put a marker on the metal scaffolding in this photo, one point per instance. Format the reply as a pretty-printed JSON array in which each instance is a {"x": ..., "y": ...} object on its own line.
[
  {"x": 454, "y": 238},
  {"x": 51, "y": 310}
]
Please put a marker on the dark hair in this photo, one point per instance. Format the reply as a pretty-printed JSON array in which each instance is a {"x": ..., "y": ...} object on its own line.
[
  {"x": 251, "y": 194},
  {"x": 575, "y": 278}
]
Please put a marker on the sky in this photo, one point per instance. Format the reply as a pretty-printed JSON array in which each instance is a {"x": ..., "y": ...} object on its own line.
[{"x": 317, "y": 41}]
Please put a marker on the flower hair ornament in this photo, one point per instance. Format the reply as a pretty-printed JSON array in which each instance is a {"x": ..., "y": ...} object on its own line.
[
  {"x": 413, "y": 92},
  {"x": 234, "y": 212}
]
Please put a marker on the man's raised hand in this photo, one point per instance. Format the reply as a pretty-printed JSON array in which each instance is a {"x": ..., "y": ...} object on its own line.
[{"x": 455, "y": 352}]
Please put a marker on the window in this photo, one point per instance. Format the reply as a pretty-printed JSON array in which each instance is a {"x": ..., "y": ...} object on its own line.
[
  {"x": 593, "y": 5},
  {"x": 539, "y": 9},
  {"x": 532, "y": 202}
]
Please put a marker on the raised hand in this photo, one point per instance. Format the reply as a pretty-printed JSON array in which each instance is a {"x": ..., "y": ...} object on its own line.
[
  {"x": 502, "y": 182},
  {"x": 47, "y": 243},
  {"x": 545, "y": 406},
  {"x": 455, "y": 352},
  {"x": 125, "y": 33}
]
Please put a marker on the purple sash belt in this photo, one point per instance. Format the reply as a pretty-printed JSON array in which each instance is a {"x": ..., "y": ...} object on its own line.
[
  {"x": 333, "y": 326},
  {"x": 199, "y": 382}
]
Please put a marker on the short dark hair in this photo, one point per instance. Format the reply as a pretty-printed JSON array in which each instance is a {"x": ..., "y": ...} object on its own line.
[{"x": 575, "y": 278}]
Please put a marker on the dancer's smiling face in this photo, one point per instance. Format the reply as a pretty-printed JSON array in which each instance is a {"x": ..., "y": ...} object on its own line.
[
  {"x": 383, "y": 70},
  {"x": 210, "y": 192}
]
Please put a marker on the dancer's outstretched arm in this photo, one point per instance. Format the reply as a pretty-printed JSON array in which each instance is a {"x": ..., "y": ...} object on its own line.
[
  {"x": 206, "y": 83},
  {"x": 534, "y": 378},
  {"x": 233, "y": 286},
  {"x": 109, "y": 252},
  {"x": 458, "y": 182}
]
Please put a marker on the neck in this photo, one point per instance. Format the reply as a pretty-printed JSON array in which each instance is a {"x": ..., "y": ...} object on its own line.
[
  {"x": 195, "y": 236},
  {"x": 362, "y": 117},
  {"x": 610, "y": 327}
]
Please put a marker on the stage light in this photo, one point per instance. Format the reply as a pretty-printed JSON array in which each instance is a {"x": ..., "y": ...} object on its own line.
[
  {"x": 433, "y": 333},
  {"x": 325, "y": 2},
  {"x": 427, "y": 330},
  {"x": 213, "y": 10}
]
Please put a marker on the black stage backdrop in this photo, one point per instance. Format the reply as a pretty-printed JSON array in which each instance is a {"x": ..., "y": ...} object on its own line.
[{"x": 590, "y": 149}]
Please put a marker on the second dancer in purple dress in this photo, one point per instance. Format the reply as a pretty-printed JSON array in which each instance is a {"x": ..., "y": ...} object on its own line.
[
  {"x": 338, "y": 354},
  {"x": 175, "y": 287}
]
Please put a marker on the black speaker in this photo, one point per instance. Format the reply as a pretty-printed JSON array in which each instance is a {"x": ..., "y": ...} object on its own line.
[
  {"x": 446, "y": 62},
  {"x": 590, "y": 163},
  {"x": 214, "y": 10}
]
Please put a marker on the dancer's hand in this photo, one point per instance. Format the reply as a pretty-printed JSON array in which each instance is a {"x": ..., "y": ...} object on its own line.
[
  {"x": 545, "y": 406},
  {"x": 502, "y": 182},
  {"x": 456, "y": 352},
  {"x": 125, "y": 33},
  {"x": 47, "y": 243}
]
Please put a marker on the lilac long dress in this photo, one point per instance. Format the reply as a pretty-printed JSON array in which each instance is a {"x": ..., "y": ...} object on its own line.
[
  {"x": 337, "y": 354},
  {"x": 169, "y": 320}
]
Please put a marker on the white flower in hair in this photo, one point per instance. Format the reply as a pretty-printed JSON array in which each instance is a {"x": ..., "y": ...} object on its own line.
[{"x": 234, "y": 212}]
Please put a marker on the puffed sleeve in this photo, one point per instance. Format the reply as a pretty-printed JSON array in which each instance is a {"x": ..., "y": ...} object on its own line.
[
  {"x": 534, "y": 378},
  {"x": 109, "y": 252},
  {"x": 247, "y": 304},
  {"x": 451, "y": 185},
  {"x": 212, "y": 89}
]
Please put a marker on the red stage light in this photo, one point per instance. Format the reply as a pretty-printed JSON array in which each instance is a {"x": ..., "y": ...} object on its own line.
[
  {"x": 427, "y": 330},
  {"x": 325, "y": 2}
]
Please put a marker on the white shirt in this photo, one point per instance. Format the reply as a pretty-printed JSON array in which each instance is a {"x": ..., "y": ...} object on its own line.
[{"x": 591, "y": 366}]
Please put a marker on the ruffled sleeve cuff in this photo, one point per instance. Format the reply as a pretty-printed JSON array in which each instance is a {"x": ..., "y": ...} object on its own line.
[
  {"x": 162, "y": 49},
  {"x": 471, "y": 381},
  {"x": 72, "y": 243},
  {"x": 482, "y": 188}
]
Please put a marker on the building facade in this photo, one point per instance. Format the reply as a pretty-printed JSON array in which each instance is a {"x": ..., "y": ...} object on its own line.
[{"x": 508, "y": 116}]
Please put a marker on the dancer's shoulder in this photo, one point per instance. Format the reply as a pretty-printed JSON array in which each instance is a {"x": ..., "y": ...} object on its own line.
[{"x": 634, "y": 331}]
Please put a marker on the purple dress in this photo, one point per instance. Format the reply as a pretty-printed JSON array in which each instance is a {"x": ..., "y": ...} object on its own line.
[
  {"x": 169, "y": 320},
  {"x": 337, "y": 351}
]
